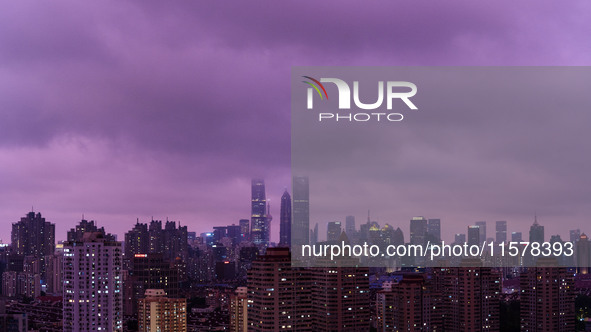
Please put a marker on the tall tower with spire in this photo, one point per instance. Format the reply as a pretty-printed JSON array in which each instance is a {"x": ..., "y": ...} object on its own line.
[
  {"x": 285, "y": 220},
  {"x": 259, "y": 223},
  {"x": 536, "y": 231}
]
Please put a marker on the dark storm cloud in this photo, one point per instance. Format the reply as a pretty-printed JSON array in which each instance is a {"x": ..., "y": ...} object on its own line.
[{"x": 167, "y": 109}]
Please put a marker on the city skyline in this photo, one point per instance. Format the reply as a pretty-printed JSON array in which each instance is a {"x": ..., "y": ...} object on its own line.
[{"x": 120, "y": 120}]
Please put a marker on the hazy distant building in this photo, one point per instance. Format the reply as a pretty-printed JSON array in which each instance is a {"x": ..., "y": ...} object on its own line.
[
  {"x": 350, "y": 226},
  {"x": 259, "y": 226},
  {"x": 301, "y": 211},
  {"x": 482, "y": 228},
  {"x": 157, "y": 312},
  {"x": 92, "y": 294},
  {"x": 474, "y": 235},
  {"x": 536, "y": 232},
  {"x": 575, "y": 234},
  {"x": 547, "y": 298},
  {"x": 516, "y": 237},
  {"x": 285, "y": 220},
  {"x": 434, "y": 229},
  {"x": 583, "y": 254},
  {"x": 418, "y": 230},
  {"x": 459, "y": 238},
  {"x": 333, "y": 231},
  {"x": 501, "y": 231}
]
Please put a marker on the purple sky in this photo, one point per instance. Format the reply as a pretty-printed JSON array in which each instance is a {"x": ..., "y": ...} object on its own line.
[{"x": 126, "y": 110}]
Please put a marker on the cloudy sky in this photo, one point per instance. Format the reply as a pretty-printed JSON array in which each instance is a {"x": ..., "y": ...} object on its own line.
[{"x": 131, "y": 110}]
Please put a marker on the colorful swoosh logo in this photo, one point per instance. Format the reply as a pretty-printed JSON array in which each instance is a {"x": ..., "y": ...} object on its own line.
[{"x": 316, "y": 87}]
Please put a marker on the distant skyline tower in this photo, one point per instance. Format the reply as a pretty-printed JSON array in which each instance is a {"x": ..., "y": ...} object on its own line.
[
  {"x": 333, "y": 231},
  {"x": 350, "y": 225},
  {"x": 482, "y": 225},
  {"x": 418, "y": 230},
  {"x": 516, "y": 237},
  {"x": 285, "y": 220},
  {"x": 259, "y": 226},
  {"x": 575, "y": 234},
  {"x": 501, "y": 231},
  {"x": 459, "y": 238},
  {"x": 92, "y": 292},
  {"x": 474, "y": 235},
  {"x": 434, "y": 229},
  {"x": 300, "y": 231},
  {"x": 536, "y": 232}
]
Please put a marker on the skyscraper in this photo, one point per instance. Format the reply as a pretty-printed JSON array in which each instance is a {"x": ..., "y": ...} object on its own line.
[
  {"x": 482, "y": 228},
  {"x": 92, "y": 292},
  {"x": 501, "y": 231},
  {"x": 333, "y": 231},
  {"x": 285, "y": 220},
  {"x": 33, "y": 236},
  {"x": 300, "y": 231},
  {"x": 474, "y": 235},
  {"x": 350, "y": 226},
  {"x": 536, "y": 232},
  {"x": 259, "y": 225},
  {"x": 434, "y": 229},
  {"x": 157, "y": 312},
  {"x": 418, "y": 230}
]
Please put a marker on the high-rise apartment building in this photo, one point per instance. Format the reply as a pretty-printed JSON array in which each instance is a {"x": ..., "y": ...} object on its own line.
[
  {"x": 472, "y": 294},
  {"x": 149, "y": 271},
  {"x": 137, "y": 241},
  {"x": 159, "y": 313},
  {"x": 239, "y": 310},
  {"x": 406, "y": 305},
  {"x": 340, "y": 298},
  {"x": 278, "y": 294},
  {"x": 85, "y": 226},
  {"x": 92, "y": 292},
  {"x": 285, "y": 220},
  {"x": 33, "y": 236},
  {"x": 547, "y": 298}
]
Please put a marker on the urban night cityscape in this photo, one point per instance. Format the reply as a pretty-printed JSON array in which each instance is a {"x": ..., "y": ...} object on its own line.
[{"x": 159, "y": 172}]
